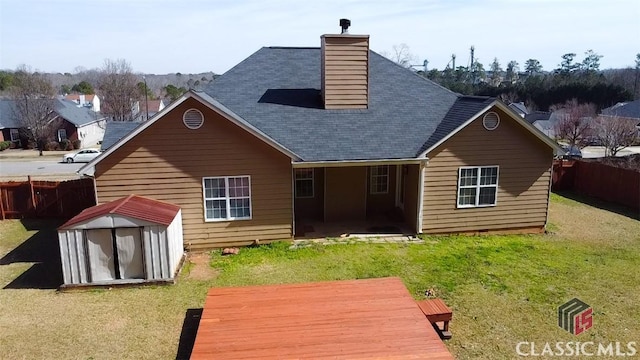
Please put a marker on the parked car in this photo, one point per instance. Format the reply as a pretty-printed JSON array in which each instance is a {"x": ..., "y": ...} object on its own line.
[
  {"x": 85, "y": 155},
  {"x": 572, "y": 152}
]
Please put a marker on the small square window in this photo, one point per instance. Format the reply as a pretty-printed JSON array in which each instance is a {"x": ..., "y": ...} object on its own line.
[{"x": 227, "y": 198}]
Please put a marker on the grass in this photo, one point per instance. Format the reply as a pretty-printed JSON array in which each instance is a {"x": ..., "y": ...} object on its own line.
[{"x": 503, "y": 289}]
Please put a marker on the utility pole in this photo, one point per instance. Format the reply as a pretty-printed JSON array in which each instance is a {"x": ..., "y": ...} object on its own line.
[{"x": 146, "y": 95}]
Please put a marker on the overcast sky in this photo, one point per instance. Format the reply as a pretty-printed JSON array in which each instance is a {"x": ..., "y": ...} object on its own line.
[{"x": 163, "y": 36}]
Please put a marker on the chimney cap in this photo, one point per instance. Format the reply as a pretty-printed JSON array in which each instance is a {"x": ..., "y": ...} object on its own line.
[{"x": 344, "y": 24}]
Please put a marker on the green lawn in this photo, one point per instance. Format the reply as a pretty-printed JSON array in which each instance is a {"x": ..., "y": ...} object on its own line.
[{"x": 503, "y": 289}]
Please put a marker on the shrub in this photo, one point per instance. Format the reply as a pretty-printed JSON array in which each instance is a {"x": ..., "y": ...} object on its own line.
[
  {"x": 76, "y": 144},
  {"x": 66, "y": 145},
  {"x": 51, "y": 146},
  {"x": 5, "y": 145}
]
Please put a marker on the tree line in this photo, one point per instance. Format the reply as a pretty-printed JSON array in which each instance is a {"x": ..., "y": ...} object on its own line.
[{"x": 538, "y": 89}]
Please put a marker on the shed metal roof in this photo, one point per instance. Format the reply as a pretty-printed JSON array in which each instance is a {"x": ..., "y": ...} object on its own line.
[{"x": 133, "y": 206}]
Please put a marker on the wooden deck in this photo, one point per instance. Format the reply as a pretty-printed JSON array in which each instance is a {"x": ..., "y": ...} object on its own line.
[{"x": 355, "y": 319}]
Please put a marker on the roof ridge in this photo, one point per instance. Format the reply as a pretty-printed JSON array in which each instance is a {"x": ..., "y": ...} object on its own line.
[{"x": 124, "y": 201}]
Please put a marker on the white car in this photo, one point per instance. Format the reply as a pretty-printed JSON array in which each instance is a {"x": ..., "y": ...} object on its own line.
[{"x": 85, "y": 155}]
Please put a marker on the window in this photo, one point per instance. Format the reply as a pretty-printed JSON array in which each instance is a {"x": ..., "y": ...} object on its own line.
[
  {"x": 227, "y": 198},
  {"x": 15, "y": 134},
  {"x": 62, "y": 134},
  {"x": 379, "y": 182},
  {"x": 477, "y": 186},
  {"x": 304, "y": 183}
]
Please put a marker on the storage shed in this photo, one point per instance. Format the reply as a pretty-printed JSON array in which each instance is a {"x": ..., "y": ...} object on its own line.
[{"x": 130, "y": 240}]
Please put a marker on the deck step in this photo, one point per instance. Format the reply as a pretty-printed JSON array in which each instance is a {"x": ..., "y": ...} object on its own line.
[{"x": 436, "y": 312}]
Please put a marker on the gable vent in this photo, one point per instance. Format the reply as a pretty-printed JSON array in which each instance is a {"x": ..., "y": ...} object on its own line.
[
  {"x": 193, "y": 119},
  {"x": 490, "y": 121}
]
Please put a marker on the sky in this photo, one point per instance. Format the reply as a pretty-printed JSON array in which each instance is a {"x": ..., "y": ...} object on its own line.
[{"x": 193, "y": 36}]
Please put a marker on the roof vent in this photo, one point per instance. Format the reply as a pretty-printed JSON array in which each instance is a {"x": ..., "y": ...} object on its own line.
[
  {"x": 193, "y": 119},
  {"x": 491, "y": 120},
  {"x": 344, "y": 24}
]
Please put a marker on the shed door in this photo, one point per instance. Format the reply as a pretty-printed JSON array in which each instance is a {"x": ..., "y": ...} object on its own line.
[
  {"x": 101, "y": 259},
  {"x": 129, "y": 245}
]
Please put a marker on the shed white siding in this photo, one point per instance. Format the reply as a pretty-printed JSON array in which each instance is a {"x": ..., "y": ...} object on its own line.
[
  {"x": 145, "y": 251},
  {"x": 73, "y": 256}
]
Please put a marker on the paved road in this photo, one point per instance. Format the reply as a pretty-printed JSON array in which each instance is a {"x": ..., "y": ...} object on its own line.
[{"x": 50, "y": 169}]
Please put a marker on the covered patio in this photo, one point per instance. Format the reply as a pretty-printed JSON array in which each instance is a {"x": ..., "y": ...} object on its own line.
[
  {"x": 353, "y": 319},
  {"x": 334, "y": 200}
]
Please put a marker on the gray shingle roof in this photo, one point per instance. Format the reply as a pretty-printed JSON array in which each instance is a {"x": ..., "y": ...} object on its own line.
[
  {"x": 116, "y": 130},
  {"x": 78, "y": 116},
  {"x": 537, "y": 116},
  {"x": 277, "y": 90},
  {"x": 8, "y": 118},
  {"x": 67, "y": 109},
  {"x": 630, "y": 110}
]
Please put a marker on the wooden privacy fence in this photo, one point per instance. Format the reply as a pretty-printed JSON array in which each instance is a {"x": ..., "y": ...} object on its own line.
[
  {"x": 602, "y": 181},
  {"x": 35, "y": 199}
]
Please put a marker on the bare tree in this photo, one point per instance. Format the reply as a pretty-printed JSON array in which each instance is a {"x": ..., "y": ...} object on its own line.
[
  {"x": 34, "y": 103},
  {"x": 574, "y": 124},
  {"x": 615, "y": 133},
  {"x": 118, "y": 89},
  {"x": 401, "y": 55}
]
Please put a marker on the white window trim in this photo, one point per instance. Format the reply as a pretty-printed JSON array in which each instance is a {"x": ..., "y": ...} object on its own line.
[
  {"x": 372, "y": 190},
  {"x": 477, "y": 186},
  {"x": 313, "y": 183},
  {"x": 65, "y": 134},
  {"x": 15, "y": 132},
  {"x": 226, "y": 198}
]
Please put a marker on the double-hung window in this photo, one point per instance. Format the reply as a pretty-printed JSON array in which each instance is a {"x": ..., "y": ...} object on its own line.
[
  {"x": 304, "y": 183},
  {"x": 227, "y": 198},
  {"x": 477, "y": 186},
  {"x": 379, "y": 179}
]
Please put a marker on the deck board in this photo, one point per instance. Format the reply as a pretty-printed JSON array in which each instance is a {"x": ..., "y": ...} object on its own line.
[{"x": 354, "y": 319}]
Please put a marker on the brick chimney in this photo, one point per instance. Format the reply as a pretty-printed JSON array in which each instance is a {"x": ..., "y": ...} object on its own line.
[{"x": 345, "y": 69}]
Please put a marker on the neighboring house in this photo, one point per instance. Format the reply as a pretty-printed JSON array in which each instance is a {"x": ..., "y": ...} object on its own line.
[
  {"x": 543, "y": 121},
  {"x": 70, "y": 123},
  {"x": 628, "y": 110},
  {"x": 9, "y": 123},
  {"x": 75, "y": 122},
  {"x": 520, "y": 108},
  {"x": 154, "y": 107},
  {"x": 90, "y": 101},
  {"x": 116, "y": 130},
  {"x": 332, "y": 135}
]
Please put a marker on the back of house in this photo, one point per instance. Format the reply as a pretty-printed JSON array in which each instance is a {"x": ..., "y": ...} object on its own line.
[{"x": 299, "y": 141}]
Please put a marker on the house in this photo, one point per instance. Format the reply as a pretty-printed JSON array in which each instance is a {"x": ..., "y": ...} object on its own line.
[
  {"x": 90, "y": 101},
  {"x": 291, "y": 140},
  {"x": 543, "y": 121},
  {"x": 70, "y": 123},
  {"x": 520, "y": 108},
  {"x": 153, "y": 106},
  {"x": 9, "y": 123},
  {"x": 73, "y": 122},
  {"x": 627, "y": 110}
]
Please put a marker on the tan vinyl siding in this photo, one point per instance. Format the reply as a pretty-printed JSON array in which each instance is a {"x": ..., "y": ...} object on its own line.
[
  {"x": 345, "y": 71},
  {"x": 167, "y": 162},
  {"x": 523, "y": 184}
]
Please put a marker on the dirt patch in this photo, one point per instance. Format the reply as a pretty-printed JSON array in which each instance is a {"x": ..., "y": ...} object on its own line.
[{"x": 200, "y": 268}]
